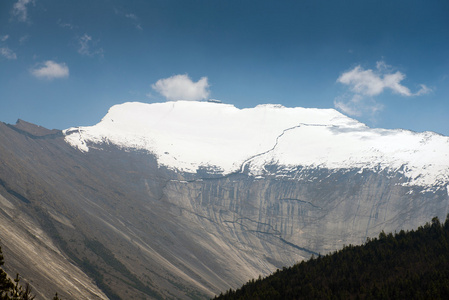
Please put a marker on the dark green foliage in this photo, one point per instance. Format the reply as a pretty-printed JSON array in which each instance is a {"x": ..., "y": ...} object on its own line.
[{"x": 406, "y": 265}]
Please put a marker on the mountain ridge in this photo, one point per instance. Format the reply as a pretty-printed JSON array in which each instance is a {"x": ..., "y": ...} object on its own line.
[{"x": 264, "y": 135}]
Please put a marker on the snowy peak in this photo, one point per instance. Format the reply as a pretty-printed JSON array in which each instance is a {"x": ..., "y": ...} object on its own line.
[{"x": 187, "y": 135}]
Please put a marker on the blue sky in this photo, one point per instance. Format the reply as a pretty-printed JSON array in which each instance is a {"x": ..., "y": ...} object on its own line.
[{"x": 386, "y": 63}]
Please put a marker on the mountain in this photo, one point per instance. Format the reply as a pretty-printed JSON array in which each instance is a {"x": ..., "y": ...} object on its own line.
[
  {"x": 187, "y": 199},
  {"x": 188, "y": 136}
]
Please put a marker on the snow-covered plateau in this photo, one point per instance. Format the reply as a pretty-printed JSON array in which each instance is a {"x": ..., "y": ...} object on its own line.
[{"x": 187, "y": 135}]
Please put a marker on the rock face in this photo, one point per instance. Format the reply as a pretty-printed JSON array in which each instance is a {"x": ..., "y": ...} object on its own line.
[{"x": 127, "y": 221}]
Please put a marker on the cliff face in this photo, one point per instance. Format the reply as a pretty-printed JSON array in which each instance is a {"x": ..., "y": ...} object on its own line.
[
  {"x": 315, "y": 214},
  {"x": 114, "y": 223}
]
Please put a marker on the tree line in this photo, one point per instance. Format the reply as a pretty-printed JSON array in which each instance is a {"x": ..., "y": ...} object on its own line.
[{"x": 404, "y": 265}]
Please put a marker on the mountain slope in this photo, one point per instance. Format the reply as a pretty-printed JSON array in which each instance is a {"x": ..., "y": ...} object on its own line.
[
  {"x": 107, "y": 202},
  {"x": 27, "y": 199},
  {"x": 187, "y": 199},
  {"x": 407, "y": 265}
]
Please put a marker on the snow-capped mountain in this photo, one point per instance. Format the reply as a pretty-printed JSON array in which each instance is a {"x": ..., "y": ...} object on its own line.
[
  {"x": 182, "y": 200},
  {"x": 186, "y": 136}
]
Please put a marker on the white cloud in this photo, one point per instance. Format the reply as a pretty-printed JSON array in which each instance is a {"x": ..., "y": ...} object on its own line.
[
  {"x": 4, "y": 38},
  {"x": 20, "y": 9},
  {"x": 85, "y": 46},
  {"x": 423, "y": 90},
  {"x": 357, "y": 105},
  {"x": 382, "y": 66},
  {"x": 366, "y": 84},
  {"x": 362, "y": 82},
  {"x": 51, "y": 70},
  {"x": 372, "y": 83},
  {"x": 181, "y": 87},
  {"x": 348, "y": 107},
  {"x": 7, "y": 53}
]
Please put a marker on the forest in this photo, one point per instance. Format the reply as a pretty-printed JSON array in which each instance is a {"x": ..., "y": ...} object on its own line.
[{"x": 403, "y": 265}]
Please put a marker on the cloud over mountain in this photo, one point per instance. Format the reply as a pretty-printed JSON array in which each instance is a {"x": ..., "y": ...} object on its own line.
[
  {"x": 364, "y": 85},
  {"x": 181, "y": 87}
]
